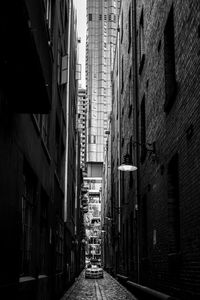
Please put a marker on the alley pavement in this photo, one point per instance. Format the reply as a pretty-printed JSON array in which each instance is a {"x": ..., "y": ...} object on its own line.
[{"x": 106, "y": 288}]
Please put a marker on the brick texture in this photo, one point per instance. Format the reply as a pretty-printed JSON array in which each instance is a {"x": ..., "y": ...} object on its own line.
[{"x": 174, "y": 132}]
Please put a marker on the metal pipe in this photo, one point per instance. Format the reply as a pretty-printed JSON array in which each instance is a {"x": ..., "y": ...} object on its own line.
[{"x": 137, "y": 137}]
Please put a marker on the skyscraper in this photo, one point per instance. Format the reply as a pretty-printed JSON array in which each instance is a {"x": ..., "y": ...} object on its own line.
[
  {"x": 101, "y": 38},
  {"x": 81, "y": 110}
]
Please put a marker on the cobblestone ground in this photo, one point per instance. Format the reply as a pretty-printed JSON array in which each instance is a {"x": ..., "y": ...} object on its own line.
[{"x": 97, "y": 289}]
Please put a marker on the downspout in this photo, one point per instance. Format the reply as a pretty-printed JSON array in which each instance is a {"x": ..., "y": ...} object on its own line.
[
  {"x": 119, "y": 138},
  {"x": 119, "y": 142},
  {"x": 137, "y": 139},
  {"x": 67, "y": 114}
]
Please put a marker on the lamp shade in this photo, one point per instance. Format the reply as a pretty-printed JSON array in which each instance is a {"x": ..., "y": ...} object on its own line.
[{"x": 127, "y": 164}]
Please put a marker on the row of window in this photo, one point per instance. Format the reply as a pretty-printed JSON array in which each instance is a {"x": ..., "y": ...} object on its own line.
[{"x": 110, "y": 17}]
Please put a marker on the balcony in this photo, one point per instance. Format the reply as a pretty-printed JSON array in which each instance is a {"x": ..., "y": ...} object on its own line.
[{"x": 25, "y": 60}]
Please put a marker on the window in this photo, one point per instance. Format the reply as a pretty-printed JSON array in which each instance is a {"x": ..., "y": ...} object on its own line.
[
  {"x": 59, "y": 244},
  {"x": 28, "y": 220},
  {"x": 169, "y": 61},
  {"x": 143, "y": 130},
  {"x": 92, "y": 139},
  {"x": 141, "y": 42},
  {"x": 100, "y": 17},
  {"x": 173, "y": 205},
  {"x": 90, "y": 17},
  {"x": 43, "y": 232}
]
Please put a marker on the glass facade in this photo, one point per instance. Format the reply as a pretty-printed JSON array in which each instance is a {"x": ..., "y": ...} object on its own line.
[{"x": 102, "y": 24}]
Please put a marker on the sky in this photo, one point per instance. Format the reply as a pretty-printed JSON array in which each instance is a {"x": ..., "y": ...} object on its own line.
[{"x": 81, "y": 27}]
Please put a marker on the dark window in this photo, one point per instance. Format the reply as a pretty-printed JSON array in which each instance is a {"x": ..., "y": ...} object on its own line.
[
  {"x": 43, "y": 232},
  {"x": 28, "y": 220},
  {"x": 143, "y": 130},
  {"x": 59, "y": 243},
  {"x": 100, "y": 17},
  {"x": 169, "y": 61},
  {"x": 90, "y": 17},
  {"x": 173, "y": 205}
]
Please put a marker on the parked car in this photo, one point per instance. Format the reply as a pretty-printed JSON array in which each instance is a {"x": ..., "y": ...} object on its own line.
[{"x": 93, "y": 271}]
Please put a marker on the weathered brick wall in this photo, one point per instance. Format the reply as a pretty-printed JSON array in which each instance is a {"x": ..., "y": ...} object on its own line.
[{"x": 175, "y": 132}]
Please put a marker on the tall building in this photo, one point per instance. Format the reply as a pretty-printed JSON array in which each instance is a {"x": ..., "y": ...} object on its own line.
[
  {"x": 81, "y": 118},
  {"x": 36, "y": 263},
  {"x": 100, "y": 45}
]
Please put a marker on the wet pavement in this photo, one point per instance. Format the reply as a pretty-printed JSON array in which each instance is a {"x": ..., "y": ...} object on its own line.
[{"x": 97, "y": 289}]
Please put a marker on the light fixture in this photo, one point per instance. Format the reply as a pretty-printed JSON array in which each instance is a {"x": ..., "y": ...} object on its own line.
[{"x": 127, "y": 164}]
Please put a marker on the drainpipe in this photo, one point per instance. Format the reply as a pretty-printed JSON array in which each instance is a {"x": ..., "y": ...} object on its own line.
[
  {"x": 134, "y": 2},
  {"x": 119, "y": 142}
]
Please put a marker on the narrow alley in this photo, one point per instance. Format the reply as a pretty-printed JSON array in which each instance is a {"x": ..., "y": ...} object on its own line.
[
  {"x": 100, "y": 149},
  {"x": 100, "y": 289}
]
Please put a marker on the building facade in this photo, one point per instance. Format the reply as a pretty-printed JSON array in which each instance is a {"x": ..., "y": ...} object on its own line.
[
  {"x": 123, "y": 134},
  {"x": 158, "y": 211},
  {"x": 168, "y": 103},
  {"x": 33, "y": 147},
  {"x": 100, "y": 44}
]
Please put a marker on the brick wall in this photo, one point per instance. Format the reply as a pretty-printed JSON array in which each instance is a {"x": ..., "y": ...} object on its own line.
[{"x": 175, "y": 131}]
